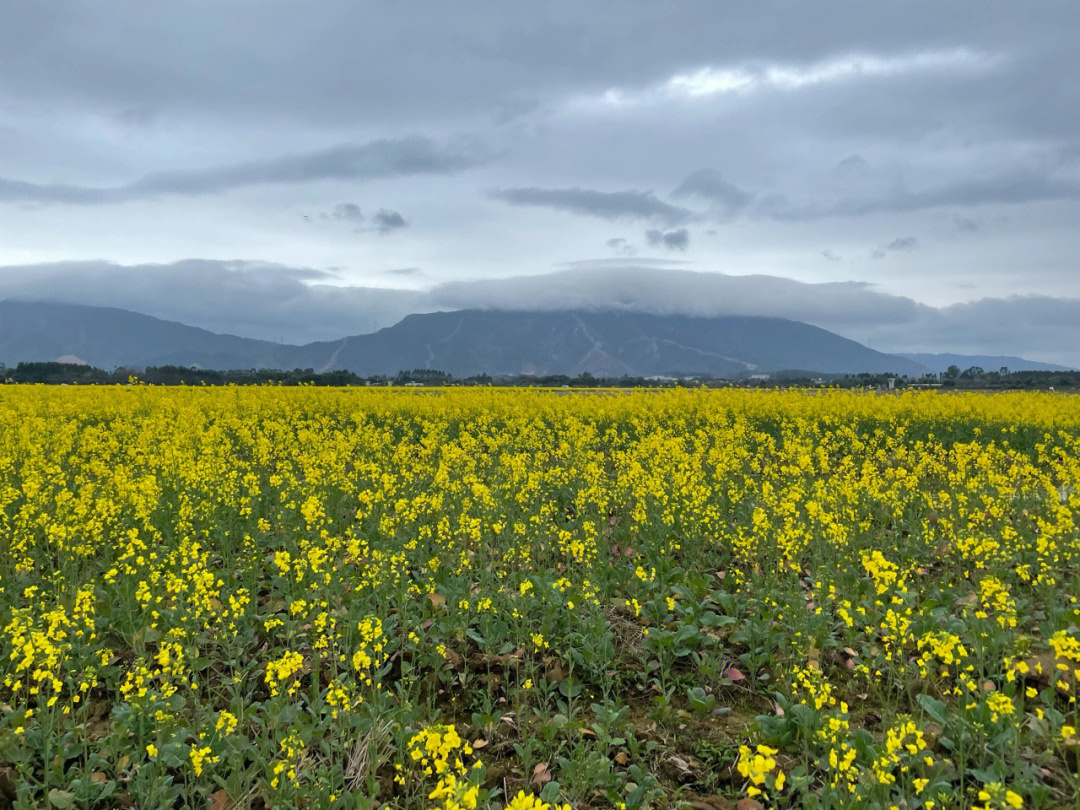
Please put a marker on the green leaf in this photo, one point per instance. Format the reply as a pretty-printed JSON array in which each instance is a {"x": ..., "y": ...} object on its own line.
[
  {"x": 550, "y": 793},
  {"x": 934, "y": 707},
  {"x": 61, "y": 798},
  {"x": 479, "y": 639},
  {"x": 987, "y": 776}
]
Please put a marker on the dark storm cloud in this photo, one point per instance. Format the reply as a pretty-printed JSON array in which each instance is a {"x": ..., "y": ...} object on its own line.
[
  {"x": 678, "y": 239},
  {"x": 375, "y": 159},
  {"x": 604, "y": 204}
]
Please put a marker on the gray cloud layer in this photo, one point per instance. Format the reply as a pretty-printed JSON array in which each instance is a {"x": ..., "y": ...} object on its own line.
[
  {"x": 297, "y": 305},
  {"x": 380, "y": 158},
  {"x": 1015, "y": 188},
  {"x": 1037, "y": 327},
  {"x": 707, "y": 184},
  {"x": 604, "y": 204},
  {"x": 251, "y": 299}
]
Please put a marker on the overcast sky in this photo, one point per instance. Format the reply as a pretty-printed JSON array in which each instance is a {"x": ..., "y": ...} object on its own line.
[{"x": 907, "y": 173}]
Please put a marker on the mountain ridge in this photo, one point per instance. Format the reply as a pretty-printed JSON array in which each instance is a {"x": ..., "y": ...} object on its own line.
[
  {"x": 460, "y": 342},
  {"x": 606, "y": 343}
]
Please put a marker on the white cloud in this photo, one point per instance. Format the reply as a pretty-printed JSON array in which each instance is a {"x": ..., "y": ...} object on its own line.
[{"x": 708, "y": 81}]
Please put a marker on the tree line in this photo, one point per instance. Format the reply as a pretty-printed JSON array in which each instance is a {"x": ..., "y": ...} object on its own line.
[{"x": 53, "y": 373}]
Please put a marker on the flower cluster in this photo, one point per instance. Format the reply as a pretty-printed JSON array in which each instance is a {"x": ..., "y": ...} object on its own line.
[{"x": 759, "y": 768}]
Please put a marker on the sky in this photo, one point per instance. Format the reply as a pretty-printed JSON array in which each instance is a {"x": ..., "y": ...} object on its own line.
[{"x": 906, "y": 173}]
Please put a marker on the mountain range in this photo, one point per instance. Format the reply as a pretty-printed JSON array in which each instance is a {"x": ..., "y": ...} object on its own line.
[
  {"x": 468, "y": 342},
  {"x": 988, "y": 362}
]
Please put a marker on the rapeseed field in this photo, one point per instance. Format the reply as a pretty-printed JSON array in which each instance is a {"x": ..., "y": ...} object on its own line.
[{"x": 473, "y": 598}]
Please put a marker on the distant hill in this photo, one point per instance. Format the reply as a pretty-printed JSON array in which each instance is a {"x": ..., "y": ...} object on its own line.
[
  {"x": 108, "y": 338},
  {"x": 461, "y": 343},
  {"x": 988, "y": 362}
]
